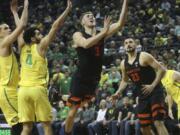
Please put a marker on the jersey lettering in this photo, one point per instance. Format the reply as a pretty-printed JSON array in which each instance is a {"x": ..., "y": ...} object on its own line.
[
  {"x": 97, "y": 51},
  {"x": 135, "y": 77}
]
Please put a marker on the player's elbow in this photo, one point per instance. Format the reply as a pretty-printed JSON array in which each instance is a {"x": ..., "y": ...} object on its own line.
[
  {"x": 121, "y": 23},
  {"x": 86, "y": 46},
  {"x": 162, "y": 71}
]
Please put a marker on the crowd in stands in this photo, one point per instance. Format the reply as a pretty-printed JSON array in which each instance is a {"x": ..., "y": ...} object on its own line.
[{"x": 155, "y": 24}]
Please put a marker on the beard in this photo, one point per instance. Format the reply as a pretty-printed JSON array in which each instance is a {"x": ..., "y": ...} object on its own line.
[
  {"x": 38, "y": 41},
  {"x": 130, "y": 50}
]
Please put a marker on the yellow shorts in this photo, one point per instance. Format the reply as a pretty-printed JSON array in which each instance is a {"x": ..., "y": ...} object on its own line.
[
  {"x": 8, "y": 104},
  {"x": 33, "y": 104}
]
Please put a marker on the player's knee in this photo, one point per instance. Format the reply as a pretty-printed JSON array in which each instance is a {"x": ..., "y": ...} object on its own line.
[
  {"x": 145, "y": 129},
  {"x": 27, "y": 127},
  {"x": 158, "y": 123},
  {"x": 46, "y": 124},
  {"x": 72, "y": 113}
]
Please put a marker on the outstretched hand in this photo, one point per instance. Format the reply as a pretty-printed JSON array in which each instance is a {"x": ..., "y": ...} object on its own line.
[
  {"x": 14, "y": 7},
  {"x": 107, "y": 23},
  {"x": 114, "y": 97},
  {"x": 69, "y": 4},
  {"x": 26, "y": 3}
]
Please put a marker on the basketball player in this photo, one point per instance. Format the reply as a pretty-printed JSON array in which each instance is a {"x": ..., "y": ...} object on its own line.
[
  {"x": 33, "y": 104},
  {"x": 171, "y": 82},
  {"x": 146, "y": 73},
  {"x": 9, "y": 74},
  {"x": 89, "y": 44}
]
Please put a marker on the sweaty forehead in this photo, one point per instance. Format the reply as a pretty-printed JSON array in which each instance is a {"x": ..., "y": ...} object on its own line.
[{"x": 88, "y": 14}]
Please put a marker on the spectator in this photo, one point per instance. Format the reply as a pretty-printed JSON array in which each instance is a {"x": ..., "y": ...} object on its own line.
[
  {"x": 124, "y": 115},
  {"x": 96, "y": 126},
  {"x": 87, "y": 116},
  {"x": 64, "y": 83}
]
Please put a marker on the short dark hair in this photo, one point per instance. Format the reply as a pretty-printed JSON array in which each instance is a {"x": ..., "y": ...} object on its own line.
[
  {"x": 83, "y": 14},
  {"x": 28, "y": 34}
]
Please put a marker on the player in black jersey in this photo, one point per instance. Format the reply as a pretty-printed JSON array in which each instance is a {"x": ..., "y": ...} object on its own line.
[
  {"x": 89, "y": 45},
  {"x": 146, "y": 73}
]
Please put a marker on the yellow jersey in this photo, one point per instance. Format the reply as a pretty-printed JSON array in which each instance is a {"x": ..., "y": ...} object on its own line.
[
  {"x": 9, "y": 72},
  {"x": 104, "y": 78},
  {"x": 59, "y": 76},
  {"x": 34, "y": 71},
  {"x": 172, "y": 88}
]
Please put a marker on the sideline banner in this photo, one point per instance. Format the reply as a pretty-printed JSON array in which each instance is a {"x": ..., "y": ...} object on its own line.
[{"x": 5, "y": 129}]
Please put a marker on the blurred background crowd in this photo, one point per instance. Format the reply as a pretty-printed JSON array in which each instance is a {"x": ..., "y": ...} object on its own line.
[{"x": 155, "y": 26}]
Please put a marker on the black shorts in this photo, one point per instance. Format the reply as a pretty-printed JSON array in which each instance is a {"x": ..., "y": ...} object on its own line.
[
  {"x": 82, "y": 88},
  {"x": 152, "y": 108}
]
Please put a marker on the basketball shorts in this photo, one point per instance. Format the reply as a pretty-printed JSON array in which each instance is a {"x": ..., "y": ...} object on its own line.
[
  {"x": 82, "y": 89},
  {"x": 151, "y": 109},
  {"x": 33, "y": 104},
  {"x": 8, "y": 104}
]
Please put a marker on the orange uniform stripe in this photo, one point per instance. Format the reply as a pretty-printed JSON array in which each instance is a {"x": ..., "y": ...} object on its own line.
[
  {"x": 145, "y": 115},
  {"x": 75, "y": 99},
  {"x": 145, "y": 121},
  {"x": 70, "y": 105},
  {"x": 156, "y": 112}
]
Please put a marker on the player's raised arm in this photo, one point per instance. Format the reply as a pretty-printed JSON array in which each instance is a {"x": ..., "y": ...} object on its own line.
[
  {"x": 81, "y": 41},
  {"x": 55, "y": 27},
  {"x": 8, "y": 41},
  {"x": 115, "y": 27},
  {"x": 14, "y": 10}
]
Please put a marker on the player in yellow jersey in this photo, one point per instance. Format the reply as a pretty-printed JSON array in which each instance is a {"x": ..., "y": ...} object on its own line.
[
  {"x": 33, "y": 104},
  {"x": 9, "y": 74},
  {"x": 171, "y": 82}
]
